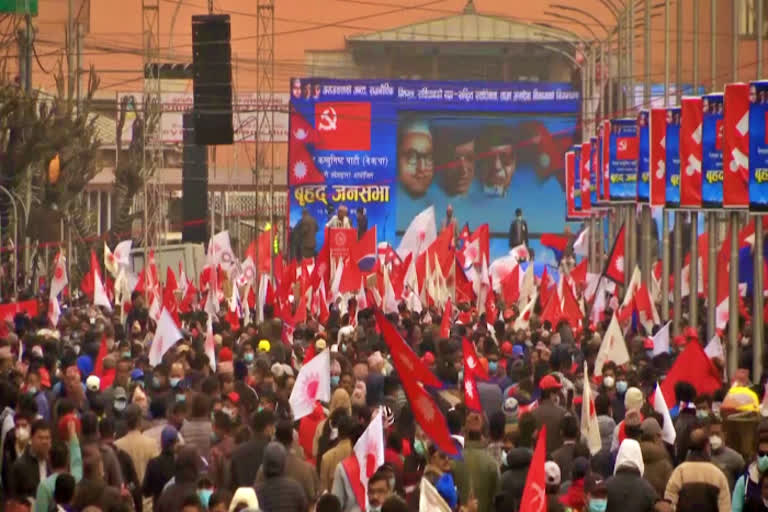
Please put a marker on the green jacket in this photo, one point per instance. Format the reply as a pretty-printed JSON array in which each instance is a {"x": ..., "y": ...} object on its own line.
[
  {"x": 477, "y": 474},
  {"x": 44, "y": 497}
]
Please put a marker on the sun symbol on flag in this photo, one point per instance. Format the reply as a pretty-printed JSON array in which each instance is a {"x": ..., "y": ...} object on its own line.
[
  {"x": 311, "y": 386},
  {"x": 58, "y": 273},
  {"x": 300, "y": 134},
  {"x": 471, "y": 362},
  {"x": 620, "y": 264},
  {"x": 300, "y": 170},
  {"x": 370, "y": 459},
  {"x": 424, "y": 404},
  {"x": 468, "y": 390}
]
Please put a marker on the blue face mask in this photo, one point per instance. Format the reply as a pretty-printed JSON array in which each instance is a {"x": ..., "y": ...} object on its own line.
[
  {"x": 248, "y": 356},
  {"x": 762, "y": 463},
  {"x": 418, "y": 447},
  {"x": 493, "y": 366},
  {"x": 621, "y": 386},
  {"x": 205, "y": 496},
  {"x": 157, "y": 382},
  {"x": 126, "y": 355},
  {"x": 598, "y": 505},
  {"x": 181, "y": 397},
  {"x": 335, "y": 380},
  {"x": 174, "y": 381}
]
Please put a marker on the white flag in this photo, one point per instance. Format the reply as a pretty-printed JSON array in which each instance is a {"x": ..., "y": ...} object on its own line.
[
  {"x": 589, "y": 426},
  {"x": 421, "y": 232},
  {"x": 668, "y": 433},
  {"x": 166, "y": 336},
  {"x": 59, "y": 280},
  {"x": 122, "y": 253},
  {"x": 714, "y": 348},
  {"x": 312, "y": 384},
  {"x": 661, "y": 340},
  {"x": 522, "y": 321},
  {"x": 430, "y": 500},
  {"x": 613, "y": 348},
  {"x": 581, "y": 245},
  {"x": 54, "y": 310},
  {"x": 222, "y": 251},
  {"x": 99, "y": 294},
  {"x": 369, "y": 449},
  {"x": 528, "y": 286},
  {"x": 210, "y": 344},
  {"x": 390, "y": 302}
]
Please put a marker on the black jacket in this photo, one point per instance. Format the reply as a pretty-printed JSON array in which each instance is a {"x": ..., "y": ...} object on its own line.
[
  {"x": 246, "y": 460},
  {"x": 279, "y": 493},
  {"x": 513, "y": 478},
  {"x": 25, "y": 475},
  {"x": 629, "y": 492},
  {"x": 185, "y": 481},
  {"x": 159, "y": 471},
  {"x": 518, "y": 232}
]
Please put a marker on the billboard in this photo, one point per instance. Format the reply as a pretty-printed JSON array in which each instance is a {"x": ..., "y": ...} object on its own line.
[
  {"x": 736, "y": 146},
  {"x": 758, "y": 146},
  {"x": 394, "y": 147},
  {"x": 712, "y": 151},
  {"x": 691, "y": 117},
  {"x": 658, "y": 162},
  {"x": 643, "y": 163},
  {"x": 623, "y": 150},
  {"x": 577, "y": 172},
  {"x": 672, "y": 145}
]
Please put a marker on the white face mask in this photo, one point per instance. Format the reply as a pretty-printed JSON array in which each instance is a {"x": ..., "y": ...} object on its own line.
[
  {"x": 715, "y": 442},
  {"x": 22, "y": 434}
]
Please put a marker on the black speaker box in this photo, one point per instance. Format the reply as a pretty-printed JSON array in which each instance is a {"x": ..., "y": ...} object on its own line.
[
  {"x": 194, "y": 186},
  {"x": 212, "y": 79}
]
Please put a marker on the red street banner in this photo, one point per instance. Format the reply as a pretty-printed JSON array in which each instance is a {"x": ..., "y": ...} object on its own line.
[
  {"x": 341, "y": 241},
  {"x": 586, "y": 180},
  {"x": 605, "y": 160},
  {"x": 8, "y": 311},
  {"x": 658, "y": 156},
  {"x": 570, "y": 178},
  {"x": 690, "y": 152},
  {"x": 343, "y": 126},
  {"x": 736, "y": 146}
]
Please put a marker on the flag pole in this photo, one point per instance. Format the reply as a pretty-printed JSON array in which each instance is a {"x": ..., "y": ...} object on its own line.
[{"x": 757, "y": 288}]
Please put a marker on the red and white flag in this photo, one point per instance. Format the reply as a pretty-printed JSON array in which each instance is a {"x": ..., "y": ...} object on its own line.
[
  {"x": 581, "y": 245},
  {"x": 523, "y": 320},
  {"x": 661, "y": 340},
  {"x": 668, "y": 433},
  {"x": 471, "y": 395},
  {"x": 222, "y": 252},
  {"x": 714, "y": 348},
  {"x": 421, "y": 232},
  {"x": 535, "y": 491},
  {"x": 312, "y": 384},
  {"x": 589, "y": 426},
  {"x": 471, "y": 361},
  {"x": 210, "y": 344},
  {"x": 369, "y": 449},
  {"x": 99, "y": 294},
  {"x": 166, "y": 336},
  {"x": 406, "y": 362},
  {"x": 613, "y": 347},
  {"x": 59, "y": 280},
  {"x": 614, "y": 268}
]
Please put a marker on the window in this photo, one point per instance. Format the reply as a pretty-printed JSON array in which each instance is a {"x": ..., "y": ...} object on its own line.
[{"x": 748, "y": 18}]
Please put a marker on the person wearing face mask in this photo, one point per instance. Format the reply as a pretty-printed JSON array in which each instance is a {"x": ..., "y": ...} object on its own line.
[
  {"x": 596, "y": 494},
  {"x": 748, "y": 484},
  {"x": 730, "y": 462},
  {"x": 139, "y": 447},
  {"x": 15, "y": 443},
  {"x": 633, "y": 400},
  {"x": 34, "y": 389}
]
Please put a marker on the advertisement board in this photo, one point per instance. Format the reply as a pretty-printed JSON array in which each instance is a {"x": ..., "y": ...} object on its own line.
[
  {"x": 758, "y": 146},
  {"x": 577, "y": 172},
  {"x": 712, "y": 151},
  {"x": 643, "y": 163},
  {"x": 736, "y": 146},
  {"x": 391, "y": 148},
  {"x": 623, "y": 155},
  {"x": 658, "y": 163},
  {"x": 672, "y": 145},
  {"x": 594, "y": 170}
]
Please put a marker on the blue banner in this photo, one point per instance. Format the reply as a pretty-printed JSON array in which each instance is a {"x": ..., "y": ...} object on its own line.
[
  {"x": 672, "y": 145},
  {"x": 594, "y": 169},
  {"x": 577, "y": 177},
  {"x": 623, "y": 148},
  {"x": 712, "y": 151},
  {"x": 758, "y": 146},
  {"x": 643, "y": 164}
]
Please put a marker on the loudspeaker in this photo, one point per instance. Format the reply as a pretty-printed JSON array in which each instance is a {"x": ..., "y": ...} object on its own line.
[
  {"x": 194, "y": 185},
  {"x": 212, "y": 79}
]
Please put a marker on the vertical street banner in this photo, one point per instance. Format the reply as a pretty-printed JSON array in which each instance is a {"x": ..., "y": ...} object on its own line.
[
  {"x": 623, "y": 155},
  {"x": 736, "y": 146},
  {"x": 605, "y": 178},
  {"x": 570, "y": 196},
  {"x": 577, "y": 200},
  {"x": 758, "y": 146},
  {"x": 672, "y": 145},
  {"x": 658, "y": 136},
  {"x": 712, "y": 151},
  {"x": 643, "y": 164},
  {"x": 594, "y": 171},
  {"x": 586, "y": 176},
  {"x": 690, "y": 152}
]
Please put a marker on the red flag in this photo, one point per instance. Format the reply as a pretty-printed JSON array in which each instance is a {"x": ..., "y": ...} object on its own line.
[
  {"x": 571, "y": 310},
  {"x": 303, "y": 170},
  {"x": 510, "y": 286},
  {"x": 736, "y": 146},
  {"x": 363, "y": 252},
  {"x": 535, "y": 491},
  {"x": 464, "y": 234},
  {"x": 169, "y": 296},
  {"x": 552, "y": 311},
  {"x": 98, "y": 367},
  {"x": 614, "y": 268},
  {"x": 471, "y": 361},
  {"x": 692, "y": 118},
  {"x": 627, "y": 148},
  {"x": 263, "y": 243},
  {"x": 483, "y": 236},
  {"x": 464, "y": 291},
  {"x": 579, "y": 273},
  {"x": 406, "y": 362},
  {"x": 186, "y": 301},
  {"x": 445, "y": 322},
  {"x": 556, "y": 242},
  {"x": 343, "y": 126},
  {"x": 471, "y": 395},
  {"x": 428, "y": 416},
  {"x": 544, "y": 287},
  {"x": 491, "y": 311},
  {"x": 658, "y": 157},
  {"x": 692, "y": 366}
]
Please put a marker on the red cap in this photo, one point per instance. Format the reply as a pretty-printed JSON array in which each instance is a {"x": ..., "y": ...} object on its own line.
[
  {"x": 508, "y": 314},
  {"x": 428, "y": 358},
  {"x": 506, "y": 348},
  {"x": 225, "y": 354},
  {"x": 680, "y": 340},
  {"x": 648, "y": 343},
  {"x": 550, "y": 382},
  {"x": 690, "y": 332},
  {"x": 233, "y": 397},
  {"x": 465, "y": 318}
]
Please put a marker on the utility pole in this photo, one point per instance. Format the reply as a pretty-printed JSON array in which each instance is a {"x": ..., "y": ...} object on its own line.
[
  {"x": 665, "y": 249},
  {"x": 25, "y": 41},
  {"x": 757, "y": 289}
]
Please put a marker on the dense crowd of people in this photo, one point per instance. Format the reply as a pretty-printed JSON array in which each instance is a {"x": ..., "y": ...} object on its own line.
[{"x": 87, "y": 424}]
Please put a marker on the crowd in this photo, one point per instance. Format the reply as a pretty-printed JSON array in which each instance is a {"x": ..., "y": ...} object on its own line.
[{"x": 87, "y": 424}]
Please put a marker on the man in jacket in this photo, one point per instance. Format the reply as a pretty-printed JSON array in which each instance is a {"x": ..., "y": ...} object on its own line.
[
  {"x": 730, "y": 462},
  {"x": 658, "y": 464},
  {"x": 333, "y": 457},
  {"x": 139, "y": 447},
  {"x": 549, "y": 412},
  {"x": 278, "y": 492},
  {"x": 518, "y": 230},
  {"x": 246, "y": 459},
  {"x": 162, "y": 468},
  {"x": 295, "y": 466},
  {"x": 697, "y": 484},
  {"x": 627, "y": 490},
  {"x": 307, "y": 234},
  {"x": 478, "y": 473},
  {"x": 33, "y": 465},
  {"x": 184, "y": 481}
]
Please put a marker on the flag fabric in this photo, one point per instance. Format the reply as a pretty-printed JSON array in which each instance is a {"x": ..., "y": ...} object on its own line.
[
  {"x": 645, "y": 308},
  {"x": 313, "y": 383},
  {"x": 405, "y": 360},
  {"x": 692, "y": 116},
  {"x": 430, "y": 500},
  {"x": 658, "y": 156},
  {"x": 558, "y": 243},
  {"x": 510, "y": 286},
  {"x": 369, "y": 449},
  {"x": 736, "y": 145},
  {"x": 668, "y": 433},
  {"x": 420, "y": 234},
  {"x": 166, "y": 336},
  {"x": 363, "y": 253},
  {"x": 109, "y": 261},
  {"x": 613, "y": 348},
  {"x": 590, "y": 429},
  {"x": 471, "y": 360},
  {"x": 471, "y": 395},
  {"x": 535, "y": 491},
  {"x": 614, "y": 267},
  {"x": 714, "y": 348},
  {"x": 99, "y": 294},
  {"x": 581, "y": 245},
  {"x": 98, "y": 366},
  {"x": 210, "y": 344},
  {"x": 428, "y": 415},
  {"x": 54, "y": 310},
  {"x": 661, "y": 340},
  {"x": 303, "y": 170},
  {"x": 389, "y": 301},
  {"x": 343, "y": 126},
  {"x": 222, "y": 251},
  {"x": 523, "y": 320},
  {"x": 693, "y": 366},
  {"x": 445, "y": 321}
]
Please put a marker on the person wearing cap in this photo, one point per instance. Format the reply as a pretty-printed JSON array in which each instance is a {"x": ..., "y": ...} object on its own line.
[
  {"x": 477, "y": 474},
  {"x": 279, "y": 492},
  {"x": 596, "y": 493},
  {"x": 697, "y": 484},
  {"x": 296, "y": 467},
  {"x": 633, "y": 400},
  {"x": 139, "y": 447},
  {"x": 658, "y": 463},
  {"x": 628, "y": 491},
  {"x": 161, "y": 468},
  {"x": 552, "y": 481},
  {"x": 549, "y": 412}
]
